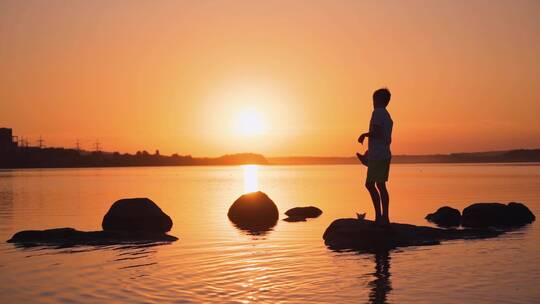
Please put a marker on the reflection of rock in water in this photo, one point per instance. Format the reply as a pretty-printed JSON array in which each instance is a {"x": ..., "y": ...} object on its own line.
[
  {"x": 136, "y": 256},
  {"x": 381, "y": 285},
  {"x": 254, "y": 230}
]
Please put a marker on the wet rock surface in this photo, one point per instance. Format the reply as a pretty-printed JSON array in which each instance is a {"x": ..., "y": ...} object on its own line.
[
  {"x": 136, "y": 220},
  {"x": 445, "y": 217},
  {"x": 66, "y": 237},
  {"x": 136, "y": 215},
  {"x": 496, "y": 215},
  {"x": 364, "y": 235},
  {"x": 300, "y": 214},
  {"x": 254, "y": 211}
]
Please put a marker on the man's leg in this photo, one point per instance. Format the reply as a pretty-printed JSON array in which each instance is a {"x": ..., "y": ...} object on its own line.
[
  {"x": 385, "y": 201},
  {"x": 376, "y": 200}
]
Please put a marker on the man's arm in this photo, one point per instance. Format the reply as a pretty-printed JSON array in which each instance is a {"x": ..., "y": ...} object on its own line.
[{"x": 375, "y": 131}]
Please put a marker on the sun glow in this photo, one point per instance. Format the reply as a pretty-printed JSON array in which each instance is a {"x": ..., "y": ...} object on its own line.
[
  {"x": 251, "y": 178},
  {"x": 250, "y": 123}
]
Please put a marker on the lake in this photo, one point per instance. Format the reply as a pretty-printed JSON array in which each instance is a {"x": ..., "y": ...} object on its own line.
[{"x": 215, "y": 262}]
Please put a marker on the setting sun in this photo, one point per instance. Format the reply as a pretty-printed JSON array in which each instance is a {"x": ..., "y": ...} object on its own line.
[{"x": 250, "y": 122}]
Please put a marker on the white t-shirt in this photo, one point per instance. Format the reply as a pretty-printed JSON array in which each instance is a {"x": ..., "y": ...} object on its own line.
[{"x": 379, "y": 148}]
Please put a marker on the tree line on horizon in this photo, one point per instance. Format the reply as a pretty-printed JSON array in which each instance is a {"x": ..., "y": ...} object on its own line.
[{"x": 34, "y": 157}]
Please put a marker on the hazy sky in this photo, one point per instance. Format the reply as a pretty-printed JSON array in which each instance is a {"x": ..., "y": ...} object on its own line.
[{"x": 188, "y": 76}]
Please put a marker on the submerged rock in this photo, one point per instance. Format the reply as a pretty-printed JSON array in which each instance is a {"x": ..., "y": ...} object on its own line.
[
  {"x": 299, "y": 214},
  {"x": 136, "y": 215},
  {"x": 65, "y": 237},
  {"x": 445, "y": 217},
  {"x": 137, "y": 220},
  {"x": 496, "y": 215},
  {"x": 309, "y": 211},
  {"x": 254, "y": 211},
  {"x": 365, "y": 235}
]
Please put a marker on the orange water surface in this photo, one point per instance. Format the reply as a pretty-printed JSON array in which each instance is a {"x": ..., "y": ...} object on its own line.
[{"x": 215, "y": 262}]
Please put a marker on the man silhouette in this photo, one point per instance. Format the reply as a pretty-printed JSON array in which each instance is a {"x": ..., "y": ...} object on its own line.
[{"x": 378, "y": 156}]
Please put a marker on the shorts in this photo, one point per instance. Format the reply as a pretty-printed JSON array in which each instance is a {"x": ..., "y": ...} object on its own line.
[{"x": 378, "y": 170}]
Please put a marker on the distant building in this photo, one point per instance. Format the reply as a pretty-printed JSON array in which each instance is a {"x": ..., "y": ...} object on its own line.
[{"x": 6, "y": 140}]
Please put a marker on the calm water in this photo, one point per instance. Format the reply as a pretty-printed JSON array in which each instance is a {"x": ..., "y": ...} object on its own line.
[{"x": 215, "y": 262}]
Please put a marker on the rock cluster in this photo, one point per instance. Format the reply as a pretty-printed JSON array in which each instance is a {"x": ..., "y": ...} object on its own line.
[
  {"x": 136, "y": 220},
  {"x": 365, "y": 235},
  {"x": 482, "y": 215}
]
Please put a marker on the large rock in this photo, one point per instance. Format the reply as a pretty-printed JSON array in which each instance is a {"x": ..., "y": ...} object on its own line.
[
  {"x": 445, "y": 217},
  {"x": 365, "y": 235},
  {"x": 254, "y": 211},
  {"x": 297, "y": 214},
  {"x": 136, "y": 215},
  {"x": 66, "y": 237},
  {"x": 496, "y": 215}
]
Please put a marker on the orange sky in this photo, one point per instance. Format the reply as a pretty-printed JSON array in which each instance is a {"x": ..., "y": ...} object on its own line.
[{"x": 176, "y": 75}]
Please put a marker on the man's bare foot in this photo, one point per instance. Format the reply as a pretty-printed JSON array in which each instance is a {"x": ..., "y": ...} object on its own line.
[
  {"x": 362, "y": 158},
  {"x": 377, "y": 222},
  {"x": 385, "y": 222}
]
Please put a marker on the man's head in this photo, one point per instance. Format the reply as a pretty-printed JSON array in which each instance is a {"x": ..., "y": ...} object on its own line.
[{"x": 381, "y": 98}]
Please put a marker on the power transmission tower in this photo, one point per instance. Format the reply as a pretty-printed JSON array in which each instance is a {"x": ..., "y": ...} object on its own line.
[
  {"x": 40, "y": 142},
  {"x": 23, "y": 142},
  {"x": 97, "y": 146},
  {"x": 78, "y": 146}
]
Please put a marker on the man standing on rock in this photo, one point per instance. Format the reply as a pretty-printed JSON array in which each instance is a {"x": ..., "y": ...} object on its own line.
[{"x": 378, "y": 155}]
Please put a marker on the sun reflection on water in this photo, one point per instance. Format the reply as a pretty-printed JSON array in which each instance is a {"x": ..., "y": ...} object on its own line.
[{"x": 251, "y": 178}]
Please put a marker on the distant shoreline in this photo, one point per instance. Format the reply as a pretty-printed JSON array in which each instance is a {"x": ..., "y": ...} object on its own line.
[
  {"x": 509, "y": 156},
  {"x": 33, "y": 157},
  {"x": 523, "y": 163}
]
